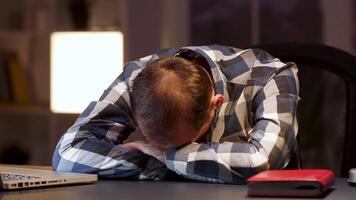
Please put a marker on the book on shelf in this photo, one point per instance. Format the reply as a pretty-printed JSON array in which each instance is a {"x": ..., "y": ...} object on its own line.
[
  {"x": 13, "y": 80},
  {"x": 5, "y": 90},
  {"x": 18, "y": 82}
]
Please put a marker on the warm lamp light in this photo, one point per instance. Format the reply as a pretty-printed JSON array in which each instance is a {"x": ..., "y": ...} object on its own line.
[{"x": 82, "y": 65}]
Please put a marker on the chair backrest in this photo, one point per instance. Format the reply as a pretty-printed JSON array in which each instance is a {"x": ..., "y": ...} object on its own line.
[{"x": 327, "y": 110}]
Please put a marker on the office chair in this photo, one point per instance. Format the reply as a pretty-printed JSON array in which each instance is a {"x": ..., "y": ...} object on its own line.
[{"x": 327, "y": 110}]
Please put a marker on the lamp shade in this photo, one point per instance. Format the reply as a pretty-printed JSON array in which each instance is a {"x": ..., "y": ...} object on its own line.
[{"x": 82, "y": 65}]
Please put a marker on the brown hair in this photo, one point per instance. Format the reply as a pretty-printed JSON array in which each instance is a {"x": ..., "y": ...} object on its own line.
[{"x": 168, "y": 92}]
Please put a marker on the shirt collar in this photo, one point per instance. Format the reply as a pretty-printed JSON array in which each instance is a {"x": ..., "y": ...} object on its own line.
[{"x": 217, "y": 77}]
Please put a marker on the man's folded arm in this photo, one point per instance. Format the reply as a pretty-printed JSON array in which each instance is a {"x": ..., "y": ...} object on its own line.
[
  {"x": 268, "y": 145},
  {"x": 83, "y": 149}
]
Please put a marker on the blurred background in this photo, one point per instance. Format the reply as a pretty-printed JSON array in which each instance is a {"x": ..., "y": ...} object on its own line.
[{"x": 29, "y": 129}]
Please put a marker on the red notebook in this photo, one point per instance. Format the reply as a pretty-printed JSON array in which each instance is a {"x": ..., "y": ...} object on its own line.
[{"x": 291, "y": 183}]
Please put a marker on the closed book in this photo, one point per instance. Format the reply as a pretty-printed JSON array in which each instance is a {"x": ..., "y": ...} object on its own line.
[{"x": 291, "y": 183}]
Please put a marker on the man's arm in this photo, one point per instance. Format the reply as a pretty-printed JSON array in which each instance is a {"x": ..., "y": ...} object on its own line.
[
  {"x": 92, "y": 144},
  {"x": 269, "y": 144}
]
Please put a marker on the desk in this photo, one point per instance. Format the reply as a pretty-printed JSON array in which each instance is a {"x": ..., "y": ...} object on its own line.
[{"x": 146, "y": 190}]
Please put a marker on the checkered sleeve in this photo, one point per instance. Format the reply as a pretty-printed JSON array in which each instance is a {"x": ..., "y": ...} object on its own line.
[
  {"x": 268, "y": 144},
  {"x": 91, "y": 145}
]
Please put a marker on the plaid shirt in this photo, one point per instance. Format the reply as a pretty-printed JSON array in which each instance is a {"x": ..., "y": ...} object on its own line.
[{"x": 255, "y": 128}]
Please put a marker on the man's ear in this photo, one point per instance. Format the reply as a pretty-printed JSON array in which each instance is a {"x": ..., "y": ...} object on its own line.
[{"x": 217, "y": 100}]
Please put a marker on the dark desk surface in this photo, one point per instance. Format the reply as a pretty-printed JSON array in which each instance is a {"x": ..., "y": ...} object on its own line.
[{"x": 133, "y": 190}]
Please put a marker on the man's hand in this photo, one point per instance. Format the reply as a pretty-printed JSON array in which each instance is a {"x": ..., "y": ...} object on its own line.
[{"x": 143, "y": 146}]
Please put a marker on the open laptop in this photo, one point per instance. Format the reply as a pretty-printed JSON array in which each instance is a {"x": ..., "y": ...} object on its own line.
[{"x": 21, "y": 177}]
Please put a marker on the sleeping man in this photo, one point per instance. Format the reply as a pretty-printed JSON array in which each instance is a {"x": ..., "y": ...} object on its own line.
[{"x": 209, "y": 113}]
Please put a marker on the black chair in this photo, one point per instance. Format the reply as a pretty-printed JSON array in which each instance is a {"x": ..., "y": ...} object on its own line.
[{"x": 327, "y": 110}]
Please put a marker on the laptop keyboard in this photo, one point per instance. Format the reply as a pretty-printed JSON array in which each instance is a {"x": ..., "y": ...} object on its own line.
[{"x": 15, "y": 177}]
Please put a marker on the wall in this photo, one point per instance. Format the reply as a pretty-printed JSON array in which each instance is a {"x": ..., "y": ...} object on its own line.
[{"x": 337, "y": 24}]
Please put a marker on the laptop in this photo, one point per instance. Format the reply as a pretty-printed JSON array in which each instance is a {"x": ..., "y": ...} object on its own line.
[{"x": 22, "y": 177}]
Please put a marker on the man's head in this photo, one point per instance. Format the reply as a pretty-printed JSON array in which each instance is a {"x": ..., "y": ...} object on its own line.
[{"x": 173, "y": 101}]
